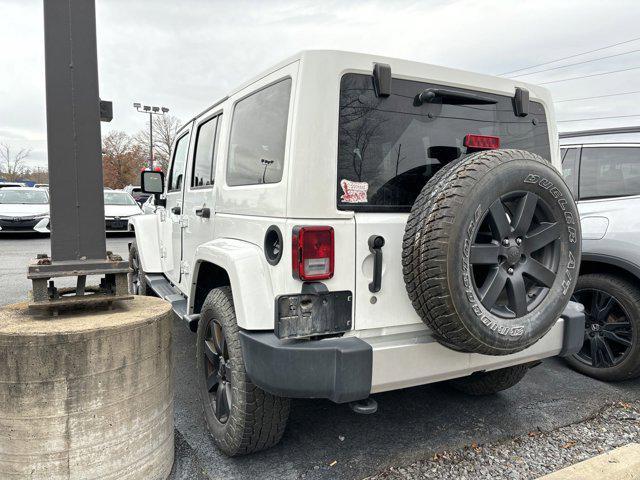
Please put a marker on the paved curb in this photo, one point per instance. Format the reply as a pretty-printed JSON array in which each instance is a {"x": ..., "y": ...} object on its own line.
[{"x": 623, "y": 463}]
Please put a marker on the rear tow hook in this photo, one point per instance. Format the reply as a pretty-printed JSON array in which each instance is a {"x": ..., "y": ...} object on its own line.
[{"x": 367, "y": 406}]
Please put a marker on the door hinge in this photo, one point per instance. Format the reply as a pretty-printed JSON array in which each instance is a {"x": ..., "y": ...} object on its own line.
[
  {"x": 184, "y": 221},
  {"x": 184, "y": 267},
  {"x": 163, "y": 251},
  {"x": 163, "y": 215}
]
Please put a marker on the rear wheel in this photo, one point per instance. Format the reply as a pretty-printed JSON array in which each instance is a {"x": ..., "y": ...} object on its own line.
[
  {"x": 611, "y": 349},
  {"x": 241, "y": 417},
  {"x": 488, "y": 383}
]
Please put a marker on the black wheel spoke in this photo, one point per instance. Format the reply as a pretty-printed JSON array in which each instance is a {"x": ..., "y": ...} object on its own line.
[
  {"x": 484, "y": 254},
  {"x": 604, "y": 304},
  {"x": 492, "y": 288},
  {"x": 212, "y": 380},
  {"x": 222, "y": 401},
  {"x": 615, "y": 326},
  {"x": 517, "y": 294},
  {"x": 607, "y": 355},
  {"x": 539, "y": 272},
  {"x": 524, "y": 213},
  {"x": 223, "y": 347},
  {"x": 593, "y": 351},
  {"x": 210, "y": 353},
  {"x": 542, "y": 236},
  {"x": 614, "y": 337},
  {"x": 498, "y": 220}
]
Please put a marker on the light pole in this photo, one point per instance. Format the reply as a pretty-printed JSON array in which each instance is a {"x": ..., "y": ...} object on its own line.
[{"x": 151, "y": 111}]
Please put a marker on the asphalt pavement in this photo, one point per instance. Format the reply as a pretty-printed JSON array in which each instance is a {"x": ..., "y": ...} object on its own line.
[{"x": 327, "y": 441}]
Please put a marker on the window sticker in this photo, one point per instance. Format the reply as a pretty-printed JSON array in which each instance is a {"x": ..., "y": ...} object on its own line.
[{"x": 354, "y": 192}]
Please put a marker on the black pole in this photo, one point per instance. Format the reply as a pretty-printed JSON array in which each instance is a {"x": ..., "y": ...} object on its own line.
[
  {"x": 150, "y": 141},
  {"x": 73, "y": 131}
]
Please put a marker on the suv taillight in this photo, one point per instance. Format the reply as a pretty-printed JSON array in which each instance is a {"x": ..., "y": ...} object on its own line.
[{"x": 312, "y": 253}]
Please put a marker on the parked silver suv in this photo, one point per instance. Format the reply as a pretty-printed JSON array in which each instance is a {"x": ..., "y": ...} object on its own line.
[{"x": 602, "y": 169}]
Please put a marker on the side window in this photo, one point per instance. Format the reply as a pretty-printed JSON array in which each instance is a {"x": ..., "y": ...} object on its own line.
[
  {"x": 176, "y": 174},
  {"x": 570, "y": 162},
  {"x": 258, "y": 135},
  {"x": 205, "y": 153},
  {"x": 609, "y": 172}
]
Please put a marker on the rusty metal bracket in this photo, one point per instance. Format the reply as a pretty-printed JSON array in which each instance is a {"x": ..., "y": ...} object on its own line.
[{"x": 114, "y": 285}]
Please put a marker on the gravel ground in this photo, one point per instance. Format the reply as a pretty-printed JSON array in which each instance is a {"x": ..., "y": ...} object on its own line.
[{"x": 531, "y": 456}]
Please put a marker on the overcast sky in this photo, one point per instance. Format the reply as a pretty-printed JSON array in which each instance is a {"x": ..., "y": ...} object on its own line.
[{"x": 185, "y": 54}]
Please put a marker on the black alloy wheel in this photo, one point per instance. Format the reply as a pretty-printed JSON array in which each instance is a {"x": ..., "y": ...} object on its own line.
[
  {"x": 134, "y": 275},
  {"x": 515, "y": 254},
  {"x": 217, "y": 368},
  {"x": 608, "y": 336}
]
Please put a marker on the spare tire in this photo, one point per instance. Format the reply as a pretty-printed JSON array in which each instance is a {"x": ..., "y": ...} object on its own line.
[{"x": 491, "y": 253}]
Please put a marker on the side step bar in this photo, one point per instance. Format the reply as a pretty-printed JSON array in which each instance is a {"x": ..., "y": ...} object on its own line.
[{"x": 163, "y": 288}]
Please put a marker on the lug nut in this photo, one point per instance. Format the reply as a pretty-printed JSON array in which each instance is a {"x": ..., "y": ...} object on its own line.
[
  {"x": 510, "y": 271},
  {"x": 505, "y": 242},
  {"x": 519, "y": 241}
]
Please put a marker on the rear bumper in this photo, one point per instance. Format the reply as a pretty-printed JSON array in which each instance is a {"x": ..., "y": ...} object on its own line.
[
  {"x": 350, "y": 368},
  {"x": 338, "y": 369}
]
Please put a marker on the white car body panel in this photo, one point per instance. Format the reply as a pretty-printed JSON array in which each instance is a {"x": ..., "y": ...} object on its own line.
[
  {"x": 23, "y": 210},
  {"x": 409, "y": 359},
  {"x": 246, "y": 266},
  {"x": 148, "y": 241},
  {"x": 121, "y": 211}
]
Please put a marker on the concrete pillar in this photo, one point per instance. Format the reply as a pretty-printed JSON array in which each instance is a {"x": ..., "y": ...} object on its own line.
[{"x": 87, "y": 395}]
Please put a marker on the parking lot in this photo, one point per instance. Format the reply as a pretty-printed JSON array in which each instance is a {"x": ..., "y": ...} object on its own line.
[{"x": 325, "y": 440}]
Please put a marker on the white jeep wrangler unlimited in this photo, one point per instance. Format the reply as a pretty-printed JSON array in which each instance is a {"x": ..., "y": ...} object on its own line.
[{"x": 346, "y": 224}]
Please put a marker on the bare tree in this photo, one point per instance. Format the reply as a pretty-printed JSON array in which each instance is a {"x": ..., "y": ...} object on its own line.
[
  {"x": 122, "y": 160},
  {"x": 12, "y": 164},
  {"x": 165, "y": 130}
]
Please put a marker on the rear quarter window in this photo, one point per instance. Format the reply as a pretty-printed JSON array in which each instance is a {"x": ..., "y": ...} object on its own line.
[
  {"x": 258, "y": 136},
  {"x": 388, "y": 148}
]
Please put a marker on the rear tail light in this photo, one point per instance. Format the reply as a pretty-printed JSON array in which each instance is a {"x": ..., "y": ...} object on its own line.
[
  {"x": 312, "y": 253},
  {"x": 481, "y": 142}
]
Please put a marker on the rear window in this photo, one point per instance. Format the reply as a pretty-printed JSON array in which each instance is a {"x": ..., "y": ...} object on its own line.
[
  {"x": 609, "y": 172},
  {"x": 388, "y": 147}
]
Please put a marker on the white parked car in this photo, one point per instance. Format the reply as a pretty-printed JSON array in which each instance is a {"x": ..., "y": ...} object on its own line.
[
  {"x": 346, "y": 224},
  {"x": 24, "y": 210},
  {"x": 119, "y": 208}
]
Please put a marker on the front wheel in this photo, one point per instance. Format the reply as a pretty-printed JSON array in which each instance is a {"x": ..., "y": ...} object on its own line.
[
  {"x": 611, "y": 349},
  {"x": 136, "y": 277},
  {"x": 241, "y": 417}
]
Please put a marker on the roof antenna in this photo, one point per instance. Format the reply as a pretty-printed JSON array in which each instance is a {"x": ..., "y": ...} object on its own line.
[
  {"x": 521, "y": 102},
  {"x": 382, "y": 79}
]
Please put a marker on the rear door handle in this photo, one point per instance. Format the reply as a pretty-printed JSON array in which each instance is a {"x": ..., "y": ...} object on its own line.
[
  {"x": 176, "y": 210},
  {"x": 376, "y": 242},
  {"x": 203, "y": 212}
]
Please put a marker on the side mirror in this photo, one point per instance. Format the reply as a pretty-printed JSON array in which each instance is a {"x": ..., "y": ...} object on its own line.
[{"x": 152, "y": 182}]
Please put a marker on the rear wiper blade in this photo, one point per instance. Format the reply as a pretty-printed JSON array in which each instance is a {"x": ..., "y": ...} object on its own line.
[{"x": 451, "y": 97}]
